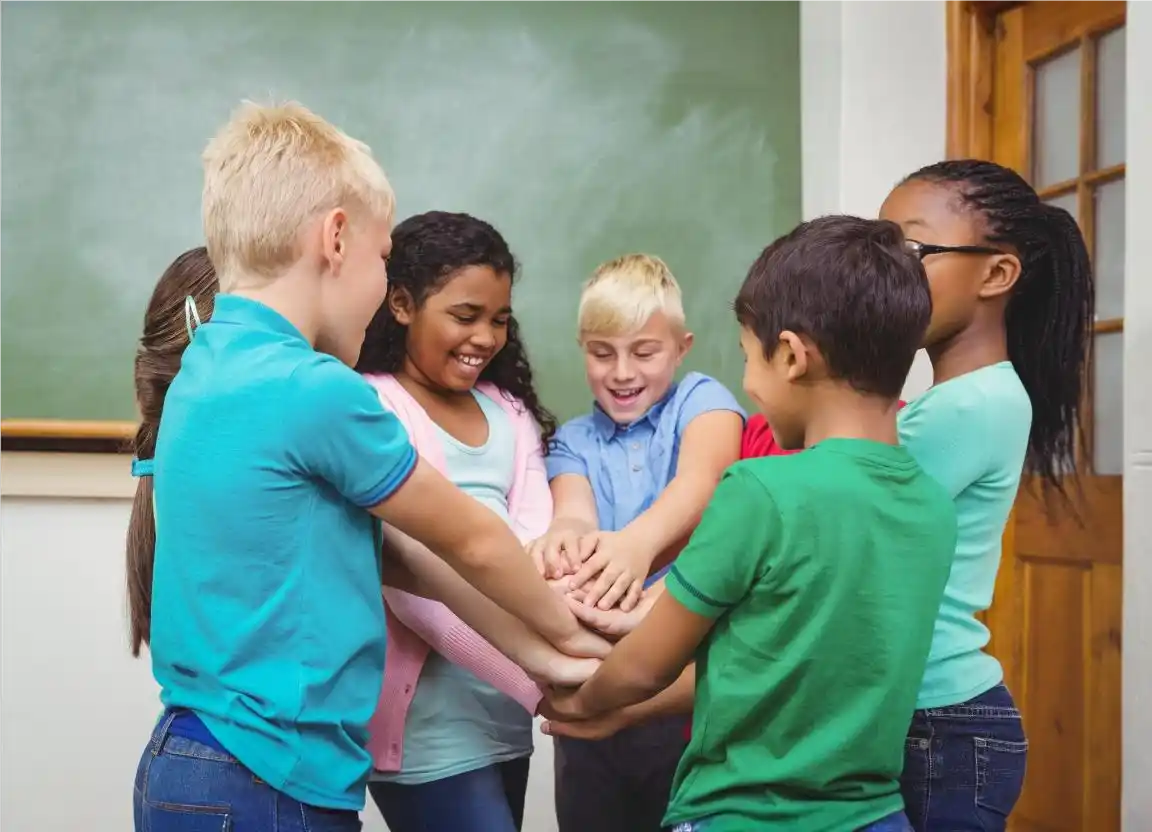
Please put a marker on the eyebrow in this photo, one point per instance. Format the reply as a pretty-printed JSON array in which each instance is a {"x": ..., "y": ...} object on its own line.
[{"x": 477, "y": 308}]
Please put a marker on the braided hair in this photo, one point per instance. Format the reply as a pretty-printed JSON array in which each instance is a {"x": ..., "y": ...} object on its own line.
[
  {"x": 1050, "y": 312},
  {"x": 427, "y": 250},
  {"x": 158, "y": 357}
]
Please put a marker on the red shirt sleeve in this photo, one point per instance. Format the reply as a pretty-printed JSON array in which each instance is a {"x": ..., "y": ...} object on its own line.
[{"x": 758, "y": 440}]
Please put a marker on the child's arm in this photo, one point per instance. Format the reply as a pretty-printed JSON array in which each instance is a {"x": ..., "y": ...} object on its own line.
[
  {"x": 483, "y": 634},
  {"x": 726, "y": 558},
  {"x": 345, "y": 436},
  {"x": 555, "y": 553},
  {"x": 676, "y": 699},
  {"x": 711, "y": 442},
  {"x": 481, "y": 547}
]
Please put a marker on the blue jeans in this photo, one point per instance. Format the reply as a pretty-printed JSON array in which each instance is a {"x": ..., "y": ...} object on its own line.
[
  {"x": 964, "y": 765},
  {"x": 893, "y": 823},
  {"x": 490, "y": 799},
  {"x": 185, "y": 786}
]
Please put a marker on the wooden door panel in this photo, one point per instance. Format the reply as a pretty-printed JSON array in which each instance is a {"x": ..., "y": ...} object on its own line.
[{"x": 1056, "y": 618}]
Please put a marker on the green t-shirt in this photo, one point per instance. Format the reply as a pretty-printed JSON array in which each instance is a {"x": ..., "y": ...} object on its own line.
[{"x": 825, "y": 571}]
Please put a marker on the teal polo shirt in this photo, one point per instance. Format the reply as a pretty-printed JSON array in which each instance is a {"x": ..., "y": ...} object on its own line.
[{"x": 267, "y": 618}]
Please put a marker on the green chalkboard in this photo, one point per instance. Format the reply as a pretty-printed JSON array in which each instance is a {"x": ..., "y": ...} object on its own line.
[{"x": 581, "y": 130}]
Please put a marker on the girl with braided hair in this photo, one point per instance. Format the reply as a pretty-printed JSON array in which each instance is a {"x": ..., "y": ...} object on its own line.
[{"x": 1012, "y": 296}]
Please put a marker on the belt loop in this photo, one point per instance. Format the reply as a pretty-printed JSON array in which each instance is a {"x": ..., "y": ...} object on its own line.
[{"x": 161, "y": 731}]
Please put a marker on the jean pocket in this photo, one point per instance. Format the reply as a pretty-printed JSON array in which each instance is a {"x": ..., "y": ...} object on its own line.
[
  {"x": 1000, "y": 766},
  {"x": 176, "y": 817}
]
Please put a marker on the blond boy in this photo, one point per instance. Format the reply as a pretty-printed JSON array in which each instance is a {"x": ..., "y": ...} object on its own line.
[
  {"x": 273, "y": 463},
  {"x": 630, "y": 481}
]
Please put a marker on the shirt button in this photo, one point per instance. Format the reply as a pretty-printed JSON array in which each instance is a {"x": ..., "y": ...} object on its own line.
[
  {"x": 636, "y": 467},
  {"x": 635, "y": 446},
  {"x": 407, "y": 688}
]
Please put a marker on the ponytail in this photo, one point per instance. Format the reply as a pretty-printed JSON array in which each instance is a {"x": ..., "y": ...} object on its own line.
[
  {"x": 1050, "y": 313},
  {"x": 166, "y": 335}
]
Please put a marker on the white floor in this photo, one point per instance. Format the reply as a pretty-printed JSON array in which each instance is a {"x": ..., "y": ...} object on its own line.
[{"x": 539, "y": 813}]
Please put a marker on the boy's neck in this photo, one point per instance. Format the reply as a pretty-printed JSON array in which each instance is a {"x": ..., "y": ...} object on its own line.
[
  {"x": 843, "y": 413},
  {"x": 293, "y": 295}
]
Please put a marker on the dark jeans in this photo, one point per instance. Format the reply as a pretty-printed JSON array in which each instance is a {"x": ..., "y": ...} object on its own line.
[
  {"x": 893, "y": 823},
  {"x": 622, "y": 783},
  {"x": 185, "y": 786},
  {"x": 490, "y": 799},
  {"x": 964, "y": 765}
]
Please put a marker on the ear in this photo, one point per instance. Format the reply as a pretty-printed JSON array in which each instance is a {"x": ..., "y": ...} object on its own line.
[
  {"x": 401, "y": 305},
  {"x": 686, "y": 341},
  {"x": 793, "y": 352},
  {"x": 334, "y": 230},
  {"x": 1001, "y": 276}
]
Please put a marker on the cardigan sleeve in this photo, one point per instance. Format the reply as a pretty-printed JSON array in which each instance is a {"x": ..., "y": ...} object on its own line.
[{"x": 445, "y": 633}]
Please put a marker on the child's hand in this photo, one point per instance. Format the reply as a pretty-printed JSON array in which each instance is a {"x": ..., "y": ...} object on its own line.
[
  {"x": 621, "y": 567},
  {"x": 562, "y": 671},
  {"x": 595, "y": 728},
  {"x": 556, "y": 552},
  {"x": 585, "y": 644},
  {"x": 613, "y": 623},
  {"x": 563, "y": 704}
]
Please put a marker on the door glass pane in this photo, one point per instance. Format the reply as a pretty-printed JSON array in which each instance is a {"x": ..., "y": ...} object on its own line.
[
  {"x": 1109, "y": 250},
  {"x": 1108, "y": 404},
  {"x": 1110, "y": 105},
  {"x": 1056, "y": 125}
]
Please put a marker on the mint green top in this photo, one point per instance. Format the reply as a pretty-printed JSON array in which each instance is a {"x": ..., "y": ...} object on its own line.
[
  {"x": 970, "y": 434},
  {"x": 456, "y": 723},
  {"x": 823, "y": 572}
]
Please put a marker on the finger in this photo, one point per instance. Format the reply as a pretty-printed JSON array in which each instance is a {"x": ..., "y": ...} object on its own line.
[
  {"x": 591, "y": 568},
  {"x": 632, "y": 596},
  {"x": 578, "y": 594},
  {"x": 536, "y": 552},
  {"x": 594, "y": 618},
  {"x": 616, "y": 591},
  {"x": 607, "y": 579},
  {"x": 587, "y": 546}
]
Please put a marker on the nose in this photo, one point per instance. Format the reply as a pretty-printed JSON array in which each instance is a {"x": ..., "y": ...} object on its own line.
[
  {"x": 622, "y": 370},
  {"x": 483, "y": 338}
]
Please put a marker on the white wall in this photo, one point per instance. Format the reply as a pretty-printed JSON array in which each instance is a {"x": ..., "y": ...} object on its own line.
[
  {"x": 1137, "y": 639},
  {"x": 873, "y": 112}
]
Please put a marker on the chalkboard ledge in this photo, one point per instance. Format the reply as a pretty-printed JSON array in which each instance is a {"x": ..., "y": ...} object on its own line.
[{"x": 64, "y": 436}]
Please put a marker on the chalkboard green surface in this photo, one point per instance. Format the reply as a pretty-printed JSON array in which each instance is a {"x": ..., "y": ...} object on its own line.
[{"x": 581, "y": 130}]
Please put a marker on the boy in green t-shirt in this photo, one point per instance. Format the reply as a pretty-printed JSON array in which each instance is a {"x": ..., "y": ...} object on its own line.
[{"x": 808, "y": 593}]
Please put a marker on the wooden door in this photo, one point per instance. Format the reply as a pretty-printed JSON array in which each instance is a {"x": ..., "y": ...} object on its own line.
[{"x": 1041, "y": 89}]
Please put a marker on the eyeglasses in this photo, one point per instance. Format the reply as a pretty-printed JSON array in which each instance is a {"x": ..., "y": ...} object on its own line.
[{"x": 922, "y": 250}]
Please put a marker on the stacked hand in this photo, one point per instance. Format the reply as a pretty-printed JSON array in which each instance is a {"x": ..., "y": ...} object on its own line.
[{"x": 603, "y": 567}]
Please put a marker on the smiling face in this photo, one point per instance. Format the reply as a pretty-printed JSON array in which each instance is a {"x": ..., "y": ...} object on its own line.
[
  {"x": 458, "y": 329},
  {"x": 629, "y": 373}
]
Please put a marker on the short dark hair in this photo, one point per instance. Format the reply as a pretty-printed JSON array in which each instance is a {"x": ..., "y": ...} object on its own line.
[{"x": 853, "y": 287}]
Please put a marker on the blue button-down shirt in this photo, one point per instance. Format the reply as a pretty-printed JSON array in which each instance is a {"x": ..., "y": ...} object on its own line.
[{"x": 629, "y": 465}]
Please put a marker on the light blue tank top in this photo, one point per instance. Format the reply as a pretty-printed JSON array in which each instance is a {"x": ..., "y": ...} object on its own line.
[{"x": 456, "y": 723}]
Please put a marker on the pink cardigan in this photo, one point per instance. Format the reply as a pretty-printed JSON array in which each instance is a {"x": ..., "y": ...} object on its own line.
[{"x": 417, "y": 625}]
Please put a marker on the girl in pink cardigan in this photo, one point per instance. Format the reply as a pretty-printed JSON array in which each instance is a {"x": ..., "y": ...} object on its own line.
[{"x": 452, "y": 735}]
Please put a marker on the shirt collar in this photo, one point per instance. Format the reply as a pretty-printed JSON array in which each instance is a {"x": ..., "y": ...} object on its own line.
[
  {"x": 607, "y": 428},
  {"x": 234, "y": 309}
]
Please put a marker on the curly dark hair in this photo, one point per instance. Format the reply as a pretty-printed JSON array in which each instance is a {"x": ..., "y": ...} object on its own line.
[
  {"x": 1050, "y": 312},
  {"x": 427, "y": 250}
]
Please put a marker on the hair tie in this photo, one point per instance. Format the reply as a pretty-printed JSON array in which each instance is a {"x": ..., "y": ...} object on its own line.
[
  {"x": 143, "y": 467},
  {"x": 191, "y": 313}
]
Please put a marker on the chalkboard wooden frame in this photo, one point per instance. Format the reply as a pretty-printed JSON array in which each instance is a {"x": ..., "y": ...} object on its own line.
[{"x": 66, "y": 436}]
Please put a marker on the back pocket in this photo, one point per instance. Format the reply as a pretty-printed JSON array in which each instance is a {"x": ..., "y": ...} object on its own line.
[
  {"x": 172, "y": 817},
  {"x": 1000, "y": 766}
]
